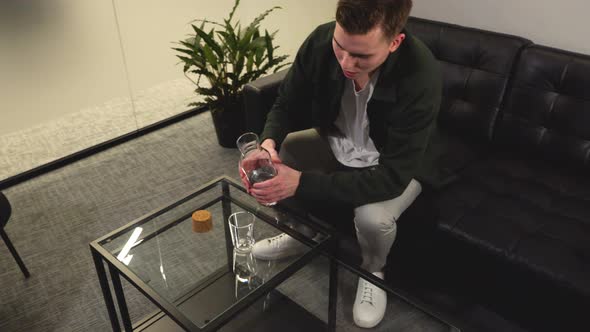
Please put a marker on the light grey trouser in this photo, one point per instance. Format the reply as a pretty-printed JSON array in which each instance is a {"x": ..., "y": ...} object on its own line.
[{"x": 375, "y": 223}]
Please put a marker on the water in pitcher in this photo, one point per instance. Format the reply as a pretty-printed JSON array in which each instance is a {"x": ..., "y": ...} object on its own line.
[{"x": 261, "y": 174}]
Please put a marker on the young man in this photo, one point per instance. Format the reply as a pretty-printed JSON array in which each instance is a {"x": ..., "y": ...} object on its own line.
[{"x": 371, "y": 93}]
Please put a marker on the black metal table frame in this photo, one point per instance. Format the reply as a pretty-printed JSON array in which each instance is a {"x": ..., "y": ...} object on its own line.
[
  {"x": 327, "y": 249},
  {"x": 116, "y": 268}
]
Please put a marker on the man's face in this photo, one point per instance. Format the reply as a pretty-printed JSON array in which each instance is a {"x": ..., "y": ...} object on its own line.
[{"x": 360, "y": 55}]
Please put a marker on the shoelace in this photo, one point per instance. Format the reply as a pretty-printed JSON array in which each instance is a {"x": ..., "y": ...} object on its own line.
[
  {"x": 367, "y": 294},
  {"x": 277, "y": 240}
]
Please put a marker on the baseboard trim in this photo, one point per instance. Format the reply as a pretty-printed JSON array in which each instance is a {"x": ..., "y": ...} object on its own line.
[{"x": 64, "y": 161}]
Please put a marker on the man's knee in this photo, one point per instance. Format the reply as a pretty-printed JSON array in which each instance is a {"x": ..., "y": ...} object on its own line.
[
  {"x": 298, "y": 140},
  {"x": 299, "y": 148},
  {"x": 375, "y": 219}
]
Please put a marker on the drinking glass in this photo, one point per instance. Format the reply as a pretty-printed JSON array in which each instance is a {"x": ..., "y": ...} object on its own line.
[
  {"x": 244, "y": 268},
  {"x": 255, "y": 161},
  {"x": 241, "y": 227}
]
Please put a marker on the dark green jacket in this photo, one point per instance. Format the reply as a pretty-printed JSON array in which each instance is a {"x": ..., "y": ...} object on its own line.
[{"x": 402, "y": 115}]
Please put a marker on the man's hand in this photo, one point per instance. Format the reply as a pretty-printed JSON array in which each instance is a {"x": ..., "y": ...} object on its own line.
[
  {"x": 270, "y": 146},
  {"x": 282, "y": 186}
]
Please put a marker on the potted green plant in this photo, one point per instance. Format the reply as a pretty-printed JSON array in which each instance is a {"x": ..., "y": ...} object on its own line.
[{"x": 228, "y": 56}]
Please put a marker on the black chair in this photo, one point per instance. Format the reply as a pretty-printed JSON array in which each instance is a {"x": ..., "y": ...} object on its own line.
[{"x": 5, "y": 211}]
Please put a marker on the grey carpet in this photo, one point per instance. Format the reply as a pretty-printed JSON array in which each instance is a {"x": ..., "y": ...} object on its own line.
[{"x": 57, "y": 215}]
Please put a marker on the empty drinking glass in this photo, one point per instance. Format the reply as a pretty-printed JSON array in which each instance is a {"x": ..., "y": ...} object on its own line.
[
  {"x": 241, "y": 227},
  {"x": 244, "y": 268}
]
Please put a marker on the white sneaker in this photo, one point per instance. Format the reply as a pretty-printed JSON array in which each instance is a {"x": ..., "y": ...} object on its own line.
[
  {"x": 370, "y": 303},
  {"x": 280, "y": 246}
]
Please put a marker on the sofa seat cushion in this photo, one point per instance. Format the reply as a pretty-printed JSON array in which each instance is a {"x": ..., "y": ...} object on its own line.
[{"x": 530, "y": 213}]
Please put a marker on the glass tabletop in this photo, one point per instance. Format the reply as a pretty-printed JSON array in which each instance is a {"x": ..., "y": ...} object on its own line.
[{"x": 189, "y": 269}]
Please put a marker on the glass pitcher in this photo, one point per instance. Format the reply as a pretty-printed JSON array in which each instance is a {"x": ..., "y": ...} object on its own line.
[{"x": 255, "y": 161}]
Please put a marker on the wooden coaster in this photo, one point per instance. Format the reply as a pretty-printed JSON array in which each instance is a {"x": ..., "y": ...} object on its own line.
[{"x": 202, "y": 221}]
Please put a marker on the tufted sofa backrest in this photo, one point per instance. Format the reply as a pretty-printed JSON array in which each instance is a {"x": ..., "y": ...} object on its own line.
[
  {"x": 476, "y": 66},
  {"x": 548, "y": 107}
]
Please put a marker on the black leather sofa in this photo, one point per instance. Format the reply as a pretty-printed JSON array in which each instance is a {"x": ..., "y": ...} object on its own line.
[{"x": 506, "y": 246}]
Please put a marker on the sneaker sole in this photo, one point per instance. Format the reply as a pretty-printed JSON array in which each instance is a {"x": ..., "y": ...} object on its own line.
[{"x": 273, "y": 257}]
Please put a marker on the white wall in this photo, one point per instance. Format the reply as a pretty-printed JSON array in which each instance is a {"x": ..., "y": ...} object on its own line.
[
  {"x": 562, "y": 24},
  {"x": 58, "y": 57},
  {"x": 61, "y": 56},
  {"x": 159, "y": 25}
]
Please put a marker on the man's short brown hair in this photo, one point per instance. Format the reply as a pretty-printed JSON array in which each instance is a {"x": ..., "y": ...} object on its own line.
[{"x": 361, "y": 16}]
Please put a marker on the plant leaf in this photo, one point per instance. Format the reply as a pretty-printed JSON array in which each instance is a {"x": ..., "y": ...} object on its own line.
[
  {"x": 204, "y": 72},
  {"x": 277, "y": 68},
  {"x": 258, "y": 43},
  {"x": 227, "y": 40},
  {"x": 269, "y": 48},
  {"x": 187, "y": 62},
  {"x": 187, "y": 44},
  {"x": 261, "y": 17},
  {"x": 231, "y": 14},
  {"x": 197, "y": 104},
  {"x": 250, "y": 62},
  {"x": 228, "y": 57},
  {"x": 185, "y": 51},
  {"x": 259, "y": 56},
  {"x": 239, "y": 65},
  {"x": 207, "y": 21},
  {"x": 209, "y": 41},
  {"x": 197, "y": 39},
  {"x": 210, "y": 56},
  {"x": 245, "y": 41}
]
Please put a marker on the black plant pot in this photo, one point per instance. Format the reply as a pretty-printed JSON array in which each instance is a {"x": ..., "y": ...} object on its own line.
[{"x": 229, "y": 125}]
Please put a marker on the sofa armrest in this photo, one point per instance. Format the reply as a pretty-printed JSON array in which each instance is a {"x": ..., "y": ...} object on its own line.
[{"x": 259, "y": 96}]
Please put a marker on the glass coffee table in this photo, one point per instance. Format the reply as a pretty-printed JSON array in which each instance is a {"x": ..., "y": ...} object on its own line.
[{"x": 198, "y": 283}]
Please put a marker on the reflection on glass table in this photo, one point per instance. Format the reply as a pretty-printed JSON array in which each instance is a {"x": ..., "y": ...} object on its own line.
[{"x": 198, "y": 279}]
